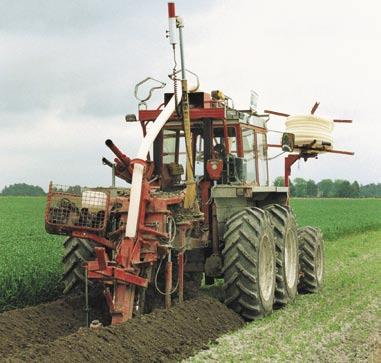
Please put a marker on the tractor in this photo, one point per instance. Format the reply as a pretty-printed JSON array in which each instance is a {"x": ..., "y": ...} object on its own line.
[{"x": 200, "y": 208}]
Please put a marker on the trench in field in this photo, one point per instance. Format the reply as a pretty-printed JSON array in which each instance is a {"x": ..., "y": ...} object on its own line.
[
  {"x": 51, "y": 332},
  {"x": 43, "y": 323}
]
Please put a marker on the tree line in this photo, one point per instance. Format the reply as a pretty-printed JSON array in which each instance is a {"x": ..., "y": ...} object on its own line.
[
  {"x": 299, "y": 187},
  {"x": 22, "y": 189},
  {"x": 328, "y": 188}
]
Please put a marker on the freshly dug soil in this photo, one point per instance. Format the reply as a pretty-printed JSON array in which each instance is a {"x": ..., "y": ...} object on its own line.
[
  {"x": 42, "y": 323},
  {"x": 162, "y": 336}
]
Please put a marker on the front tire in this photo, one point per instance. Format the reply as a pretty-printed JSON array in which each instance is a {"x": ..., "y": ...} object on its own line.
[
  {"x": 311, "y": 257},
  {"x": 249, "y": 264}
]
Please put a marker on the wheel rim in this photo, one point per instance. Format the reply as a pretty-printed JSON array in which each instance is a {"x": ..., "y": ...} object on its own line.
[
  {"x": 290, "y": 257},
  {"x": 266, "y": 268},
  {"x": 319, "y": 263}
]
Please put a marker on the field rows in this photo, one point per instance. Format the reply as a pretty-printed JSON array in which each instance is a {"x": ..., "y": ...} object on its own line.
[{"x": 338, "y": 217}]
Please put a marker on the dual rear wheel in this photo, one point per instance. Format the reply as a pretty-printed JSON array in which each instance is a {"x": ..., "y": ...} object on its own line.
[{"x": 267, "y": 260}]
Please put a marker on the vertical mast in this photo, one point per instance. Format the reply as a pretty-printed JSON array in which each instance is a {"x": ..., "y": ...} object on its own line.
[{"x": 190, "y": 192}]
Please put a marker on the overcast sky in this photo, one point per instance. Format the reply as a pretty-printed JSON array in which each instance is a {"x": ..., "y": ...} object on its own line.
[{"x": 68, "y": 69}]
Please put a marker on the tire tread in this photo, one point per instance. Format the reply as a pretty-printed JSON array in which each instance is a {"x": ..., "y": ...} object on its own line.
[
  {"x": 309, "y": 240},
  {"x": 240, "y": 262}
]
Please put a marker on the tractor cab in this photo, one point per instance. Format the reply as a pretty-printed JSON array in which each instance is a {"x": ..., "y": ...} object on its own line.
[{"x": 228, "y": 146}]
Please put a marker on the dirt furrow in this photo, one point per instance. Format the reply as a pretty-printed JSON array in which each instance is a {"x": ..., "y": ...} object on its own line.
[
  {"x": 41, "y": 324},
  {"x": 164, "y": 335}
]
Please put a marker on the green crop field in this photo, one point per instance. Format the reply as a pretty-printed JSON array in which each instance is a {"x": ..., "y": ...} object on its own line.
[
  {"x": 337, "y": 217},
  {"x": 30, "y": 259}
]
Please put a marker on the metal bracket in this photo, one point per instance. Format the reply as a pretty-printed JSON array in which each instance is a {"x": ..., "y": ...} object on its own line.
[{"x": 142, "y": 101}]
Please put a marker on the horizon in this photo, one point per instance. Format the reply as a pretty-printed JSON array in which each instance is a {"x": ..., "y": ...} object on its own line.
[{"x": 128, "y": 185}]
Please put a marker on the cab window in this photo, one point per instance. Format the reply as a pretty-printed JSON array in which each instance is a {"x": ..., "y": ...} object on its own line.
[
  {"x": 199, "y": 155},
  {"x": 219, "y": 142},
  {"x": 169, "y": 146},
  {"x": 248, "y": 141},
  {"x": 262, "y": 159}
]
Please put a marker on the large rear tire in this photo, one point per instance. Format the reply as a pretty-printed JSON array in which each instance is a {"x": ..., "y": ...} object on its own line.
[
  {"x": 249, "y": 264},
  {"x": 77, "y": 251},
  {"x": 311, "y": 257},
  {"x": 287, "y": 261}
]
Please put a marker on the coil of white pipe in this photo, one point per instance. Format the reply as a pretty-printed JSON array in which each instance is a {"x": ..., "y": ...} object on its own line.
[
  {"x": 137, "y": 175},
  {"x": 310, "y": 128}
]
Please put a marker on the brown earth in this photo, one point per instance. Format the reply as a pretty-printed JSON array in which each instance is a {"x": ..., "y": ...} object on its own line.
[
  {"x": 163, "y": 335},
  {"x": 43, "y": 323}
]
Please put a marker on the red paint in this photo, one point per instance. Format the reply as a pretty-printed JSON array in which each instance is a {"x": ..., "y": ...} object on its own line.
[
  {"x": 171, "y": 10},
  {"x": 130, "y": 278},
  {"x": 195, "y": 114},
  {"x": 122, "y": 157},
  {"x": 238, "y": 133},
  {"x": 315, "y": 107},
  {"x": 93, "y": 237},
  {"x": 123, "y": 305},
  {"x": 214, "y": 168},
  {"x": 101, "y": 258},
  {"x": 226, "y": 136},
  {"x": 276, "y": 113},
  {"x": 288, "y": 162}
]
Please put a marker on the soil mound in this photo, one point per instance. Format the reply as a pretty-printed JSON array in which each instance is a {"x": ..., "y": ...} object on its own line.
[
  {"x": 42, "y": 323},
  {"x": 163, "y": 335}
]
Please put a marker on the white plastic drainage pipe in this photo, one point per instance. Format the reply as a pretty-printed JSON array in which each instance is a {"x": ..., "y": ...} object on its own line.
[
  {"x": 310, "y": 128},
  {"x": 137, "y": 175}
]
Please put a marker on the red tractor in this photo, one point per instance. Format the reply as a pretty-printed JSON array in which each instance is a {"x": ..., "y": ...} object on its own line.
[{"x": 200, "y": 204}]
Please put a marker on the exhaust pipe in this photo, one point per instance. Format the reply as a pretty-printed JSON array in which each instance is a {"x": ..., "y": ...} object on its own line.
[{"x": 122, "y": 157}]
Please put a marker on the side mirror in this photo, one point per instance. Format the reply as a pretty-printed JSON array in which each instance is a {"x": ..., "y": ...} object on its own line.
[{"x": 288, "y": 142}]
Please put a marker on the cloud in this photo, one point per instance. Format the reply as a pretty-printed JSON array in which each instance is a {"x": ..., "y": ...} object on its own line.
[
  {"x": 68, "y": 68},
  {"x": 293, "y": 54}
]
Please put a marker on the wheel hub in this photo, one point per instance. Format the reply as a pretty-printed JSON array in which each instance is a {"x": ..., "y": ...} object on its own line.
[
  {"x": 290, "y": 258},
  {"x": 266, "y": 268},
  {"x": 319, "y": 263}
]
